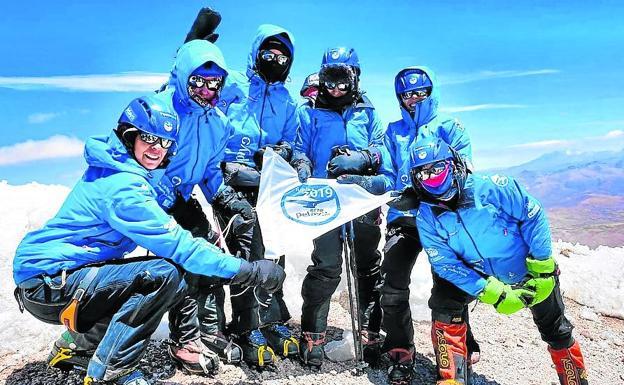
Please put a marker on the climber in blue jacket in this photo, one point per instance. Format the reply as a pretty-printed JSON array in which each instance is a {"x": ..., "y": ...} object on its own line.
[{"x": 73, "y": 271}]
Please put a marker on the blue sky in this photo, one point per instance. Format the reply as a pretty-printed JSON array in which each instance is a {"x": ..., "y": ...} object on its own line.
[{"x": 524, "y": 77}]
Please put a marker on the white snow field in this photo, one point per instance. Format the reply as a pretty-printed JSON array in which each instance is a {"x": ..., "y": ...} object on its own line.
[{"x": 594, "y": 278}]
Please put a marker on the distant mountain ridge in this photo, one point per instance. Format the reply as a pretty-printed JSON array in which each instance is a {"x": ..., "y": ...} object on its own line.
[{"x": 583, "y": 193}]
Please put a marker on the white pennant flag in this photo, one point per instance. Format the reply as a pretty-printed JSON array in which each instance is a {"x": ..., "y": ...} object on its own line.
[{"x": 293, "y": 213}]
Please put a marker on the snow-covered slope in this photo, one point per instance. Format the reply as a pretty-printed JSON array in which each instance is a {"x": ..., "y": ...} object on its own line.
[{"x": 594, "y": 278}]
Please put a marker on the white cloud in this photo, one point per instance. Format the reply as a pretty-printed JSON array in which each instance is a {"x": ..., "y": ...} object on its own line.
[
  {"x": 487, "y": 75},
  {"x": 614, "y": 134},
  {"x": 57, "y": 146},
  {"x": 122, "y": 82},
  {"x": 42, "y": 117},
  {"x": 541, "y": 144},
  {"x": 478, "y": 107}
]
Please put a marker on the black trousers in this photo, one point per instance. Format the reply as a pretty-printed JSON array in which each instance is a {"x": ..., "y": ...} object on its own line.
[
  {"x": 252, "y": 307},
  {"x": 448, "y": 302},
  {"x": 324, "y": 275}
]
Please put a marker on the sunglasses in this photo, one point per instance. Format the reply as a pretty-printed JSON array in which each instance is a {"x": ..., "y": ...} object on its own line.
[
  {"x": 341, "y": 86},
  {"x": 267, "y": 55},
  {"x": 213, "y": 84},
  {"x": 419, "y": 94},
  {"x": 431, "y": 170},
  {"x": 151, "y": 139}
]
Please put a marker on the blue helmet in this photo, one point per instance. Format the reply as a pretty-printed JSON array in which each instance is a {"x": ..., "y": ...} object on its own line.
[
  {"x": 410, "y": 80},
  {"x": 149, "y": 114},
  {"x": 341, "y": 55},
  {"x": 436, "y": 170}
]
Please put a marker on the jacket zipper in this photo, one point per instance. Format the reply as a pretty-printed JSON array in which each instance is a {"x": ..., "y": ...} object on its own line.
[
  {"x": 266, "y": 89},
  {"x": 460, "y": 220}
]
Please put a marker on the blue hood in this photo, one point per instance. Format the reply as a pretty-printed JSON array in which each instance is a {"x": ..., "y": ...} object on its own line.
[
  {"x": 264, "y": 32},
  {"x": 425, "y": 111},
  {"x": 191, "y": 56}
]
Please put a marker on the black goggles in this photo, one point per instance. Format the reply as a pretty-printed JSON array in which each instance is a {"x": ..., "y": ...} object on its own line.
[
  {"x": 151, "y": 139},
  {"x": 267, "y": 55},
  {"x": 213, "y": 83},
  {"x": 419, "y": 94},
  {"x": 429, "y": 171},
  {"x": 340, "y": 86}
]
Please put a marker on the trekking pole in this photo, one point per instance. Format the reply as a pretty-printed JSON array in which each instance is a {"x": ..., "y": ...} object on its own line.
[{"x": 352, "y": 288}]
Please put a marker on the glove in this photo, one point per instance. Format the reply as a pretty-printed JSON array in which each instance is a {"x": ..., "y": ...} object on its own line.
[
  {"x": 506, "y": 299},
  {"x": 240, "y": 175},
  {"x": 264, "y": 273},
  {"x": 231, "y": 203},
  {"x": 541, "y": 268},
  {"x": 203, "y": 27},
  {"x": 406, "y": 200},
  {"x": 542, "y": 288},
  {"x": 282, "y": 148},
  {"x": 373, "y": 184},
  {"x": 344, "y": 161},
  {"x": 303, "y": 166}
]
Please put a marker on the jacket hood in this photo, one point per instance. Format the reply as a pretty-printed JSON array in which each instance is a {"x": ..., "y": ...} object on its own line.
[
  {"x": 426, "y": 110},
  {"x": 108, "y": 152},
  {"x": 264, "y": 32},
  {"x": 191, "y": 56}
]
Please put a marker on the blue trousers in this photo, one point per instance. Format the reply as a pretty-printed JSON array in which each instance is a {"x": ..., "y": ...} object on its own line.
[{"x": 131, "y": 296}]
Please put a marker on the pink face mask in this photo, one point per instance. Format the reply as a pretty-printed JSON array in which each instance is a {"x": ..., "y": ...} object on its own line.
[{"x": 435, "y": 177}]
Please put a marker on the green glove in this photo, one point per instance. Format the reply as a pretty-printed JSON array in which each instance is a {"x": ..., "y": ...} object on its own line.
[
  {"x": 542, "y": 288},
  {"x": 504, "y": 298},
  {"x": 539, "y": 268}
]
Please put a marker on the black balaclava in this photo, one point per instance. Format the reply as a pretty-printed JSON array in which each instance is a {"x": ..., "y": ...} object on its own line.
[
  {"x": 271, "y": 71},
  {"x": 337, "y": 73}
]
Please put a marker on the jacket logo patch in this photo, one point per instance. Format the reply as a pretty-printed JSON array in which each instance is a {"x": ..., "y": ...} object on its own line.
[
  {"x": 499, "y": 180},
  {"x": 533, "y": 208},
  {"x": 432, "y": 252},
  {"x": 311, "y": 205}
]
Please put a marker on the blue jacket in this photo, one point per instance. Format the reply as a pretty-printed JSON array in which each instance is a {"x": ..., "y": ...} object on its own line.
[
  {"x": 496, "y": 226},
  {"x": 110, "y": 211},
  {"x": 203, "y": 131},
  {"x": 358, "y": 127},
  {"x": 261, "y": 113},
  {"x": 425, "y": 122}
]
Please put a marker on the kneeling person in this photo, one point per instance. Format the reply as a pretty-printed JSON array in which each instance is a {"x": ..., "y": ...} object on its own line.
[
  {"x": 499, "y": 253},
  {"x": 72, "y": 270}
]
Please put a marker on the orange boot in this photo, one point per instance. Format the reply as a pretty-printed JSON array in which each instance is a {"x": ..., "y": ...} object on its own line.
[
  {"x": 569, "y": 365},
  {"x": 449, "y": 344}
]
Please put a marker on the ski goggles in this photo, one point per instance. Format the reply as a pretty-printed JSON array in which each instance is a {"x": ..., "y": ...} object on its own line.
[
  {"x": 433, "y": 174},
  {"x": 340, "y": 86},
  {"x": 212, "y": 83},
  {"x": 419, "y": 94},
  {"x": 151, "y": 139},
  {"x": 267, "y": 55}
]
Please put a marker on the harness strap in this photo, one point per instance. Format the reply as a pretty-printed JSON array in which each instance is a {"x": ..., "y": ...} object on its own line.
[{"x": 69, "y": 314}]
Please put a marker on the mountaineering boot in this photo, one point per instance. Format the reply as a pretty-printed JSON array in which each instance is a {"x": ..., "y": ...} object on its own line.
[
  {"x": 311, "y": 350},
  {"x": 225, "y": 348},
  {"x": 194, "y": 357},
  {"x": 401, "y": 365},
  {"x": 67, "y": 355},
  {"x": 135, "y": 377},
  {"x": 280, "y": 339},
  {"x": 569, "y": 365},
  {"x": 451, "y": 351},
  {"x": 371, "y": 347},
  {"x": 256, "y": 352}
]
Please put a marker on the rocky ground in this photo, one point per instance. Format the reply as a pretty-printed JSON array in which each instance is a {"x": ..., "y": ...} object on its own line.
[{"x": 513, "y": 354}]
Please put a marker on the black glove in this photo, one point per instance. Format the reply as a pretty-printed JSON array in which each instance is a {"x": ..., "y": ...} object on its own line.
[
  {"x": 241, "y": 175},
  {"x": 407, "y": 199},
  {"x": 345, "y": 161},
  {"x": 205, "y": 24},
  {"x": 191, "y": 217},
  {"x": 282, "y": 148},
  {"x": 302, "y": 165},
  {"x": 264, "y": 273},
  {"x": 374, "y": 184},
  {"x": 230, "y": 203}
]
